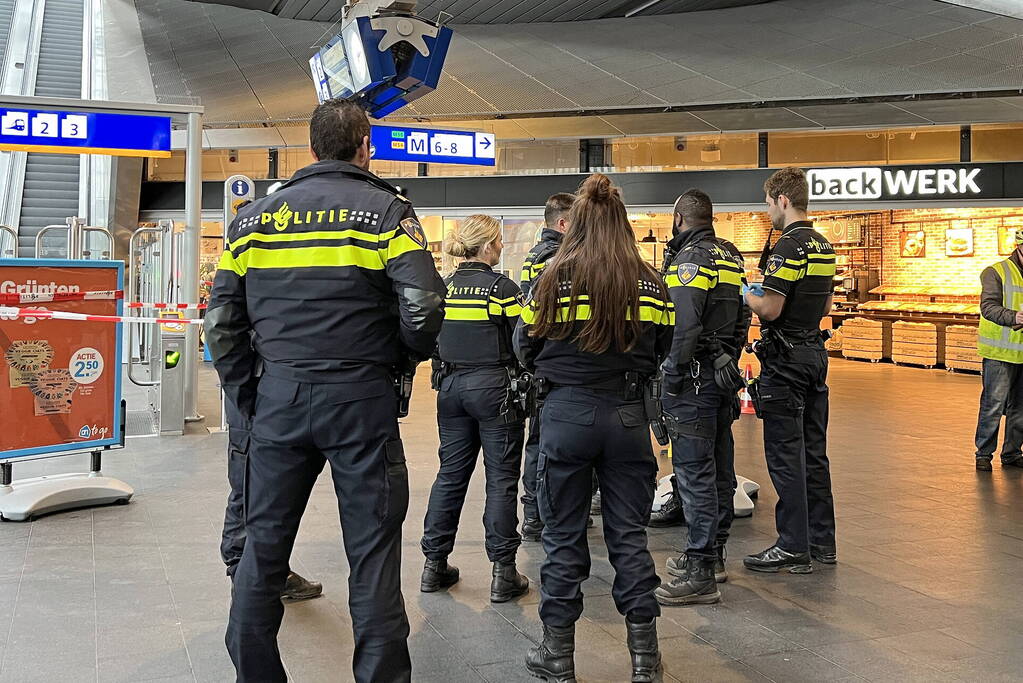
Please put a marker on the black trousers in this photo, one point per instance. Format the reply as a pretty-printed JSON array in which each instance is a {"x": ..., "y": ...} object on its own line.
[
  {"x": 586, "y": 430},
  {"x": 529, "y": 507},
  {"x": 233, "y": 538},
  {"x": 469, "y": 418},
  {"x": 703, "y": 459},
  {"x": 296, "y": 428},
  {"x": 793, "y": 393}
]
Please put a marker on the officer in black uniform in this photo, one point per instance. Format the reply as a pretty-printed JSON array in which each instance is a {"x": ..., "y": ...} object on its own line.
[
  {"x": 555, "y": 218},
  {"x": 593, "y": 336},
  {"x": 792, "y": 392},
  {"x": 332, "y": 278},
  {"x": 700, "y": 403},
  {"x": 670, "y": 513},
  {"x": 476, "y": 374}
]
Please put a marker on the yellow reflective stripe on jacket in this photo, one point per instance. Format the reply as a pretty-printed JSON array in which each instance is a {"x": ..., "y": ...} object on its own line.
[
  {"x": 398, "y": 245},
  {"x": 699, "y": 282},
  {"x": 789, "y": 274},
  {"x": 228, "y": 262},
  {"x": 525, "y": 275},
  {"x": 304, "y": 236},
  {"x": 473, "y": 314},
  {"x": 309, "y": 257},
  {"x": 663, "y": 315},
  {"x": 822, "y": 269},
  {"x": 511, "y": 310}
]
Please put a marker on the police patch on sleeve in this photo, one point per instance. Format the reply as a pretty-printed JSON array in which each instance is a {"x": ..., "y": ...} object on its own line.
[
  {"x": 774, "y": 264},
  {"x": 414, "y": 230},
  {"x": 521, "y": 299},
  {"x": 687, "y": 272}
]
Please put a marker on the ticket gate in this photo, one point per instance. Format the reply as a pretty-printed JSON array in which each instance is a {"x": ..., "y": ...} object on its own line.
[
  {"x": 79, "y": 242},
  {"x": 156, "y": 353}
]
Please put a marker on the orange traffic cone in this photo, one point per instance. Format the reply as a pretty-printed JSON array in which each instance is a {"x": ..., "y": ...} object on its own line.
[{"x": 745, "y": 400}]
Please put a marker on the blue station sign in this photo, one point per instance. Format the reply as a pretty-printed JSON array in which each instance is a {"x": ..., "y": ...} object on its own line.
[
  {"x": 433, "y": 146},
  {"x": 73, "y": 132}
]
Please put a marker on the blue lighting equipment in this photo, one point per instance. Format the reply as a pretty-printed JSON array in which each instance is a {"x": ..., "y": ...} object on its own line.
[{"x": 384, "y": 57}]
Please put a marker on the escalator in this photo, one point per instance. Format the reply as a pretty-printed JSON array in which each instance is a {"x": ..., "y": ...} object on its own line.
[{"x": 51, "y": 187}]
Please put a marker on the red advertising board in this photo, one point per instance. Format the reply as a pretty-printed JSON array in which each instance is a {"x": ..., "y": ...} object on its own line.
[{"x": 60, "y": 380}]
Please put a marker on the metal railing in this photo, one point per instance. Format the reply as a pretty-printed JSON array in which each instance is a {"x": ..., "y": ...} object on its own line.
[
  {"x": 12, "y": 252},
  {"x": 77, "y": 234}
]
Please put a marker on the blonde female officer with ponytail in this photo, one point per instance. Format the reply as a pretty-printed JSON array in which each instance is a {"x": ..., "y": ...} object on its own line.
[{"x": 473, "y": 367}]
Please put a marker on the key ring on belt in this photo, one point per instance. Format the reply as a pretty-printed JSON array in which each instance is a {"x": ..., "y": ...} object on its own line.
[{"x": 694, "y": 372}]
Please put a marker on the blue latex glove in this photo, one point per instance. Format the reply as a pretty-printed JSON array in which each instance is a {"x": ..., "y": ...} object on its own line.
[{"x": 756, "y": 289}]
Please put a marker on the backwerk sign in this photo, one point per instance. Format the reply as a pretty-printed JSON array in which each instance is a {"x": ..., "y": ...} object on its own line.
[{"x": 977, "y": 181}]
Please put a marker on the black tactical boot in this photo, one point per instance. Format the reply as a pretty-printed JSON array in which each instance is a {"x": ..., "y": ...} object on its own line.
[
  {"x": 698, "y": 587},
  {"x": 298, "y": 588},
  {"x": 670, "y": 513},
  {"x": 531, "y": 529},
  {"x": 646, "y": 658},
  {"x": 507, "y": 583},
  {"x": 720, "y": 573},
  {"x": 774, "y": 560},
  {"x": 825, "y": 554},
  {"x": 552, "y": 660},
  {"x": 983, "y": 464},
  {"x": 438, "y": 574},
  {"x": 679, "y": 567}
]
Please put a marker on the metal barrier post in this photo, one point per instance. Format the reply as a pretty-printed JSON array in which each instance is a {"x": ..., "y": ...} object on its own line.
[
  {"x": 13, "y": 251},
  {"x": 132, "y": 275},
  {"x": 190, "y": 260}
]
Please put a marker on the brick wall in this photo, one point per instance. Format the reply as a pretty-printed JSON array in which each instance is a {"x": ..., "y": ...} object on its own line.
[{"x": 936, "y": 269}]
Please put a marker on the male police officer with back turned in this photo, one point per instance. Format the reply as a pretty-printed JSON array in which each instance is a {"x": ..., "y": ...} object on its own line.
[
  {"x": 701, "y": 379},
  {"x": 554, "y": 216},
  {"x": 792, "y": 391},
  {"x": 332, "y": 276}
]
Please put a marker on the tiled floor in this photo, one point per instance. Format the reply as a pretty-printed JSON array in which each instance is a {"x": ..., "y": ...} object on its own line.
[{"x": 928, "y": 588}]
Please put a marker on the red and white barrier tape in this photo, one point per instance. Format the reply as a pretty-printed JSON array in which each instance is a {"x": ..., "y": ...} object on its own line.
[
  {"x": 10, "y": 312},
  {"x": 19, "y": 298},
  {"x": 94, "y": 296}
]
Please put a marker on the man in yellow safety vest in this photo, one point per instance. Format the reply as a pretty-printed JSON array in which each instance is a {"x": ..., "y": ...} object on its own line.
[{"x": 1000, "y": 344}]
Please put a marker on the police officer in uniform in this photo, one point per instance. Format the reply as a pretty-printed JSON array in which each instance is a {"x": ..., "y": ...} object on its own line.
[
  {"x": 332, "y": 278},
  {"x": 593, "y": 336},
  {"x": 555, "y": 218},
  {"x": 792, "y": 391},
  {"x": 475, "y": 370},
  {"x": 700, "y": 403}
]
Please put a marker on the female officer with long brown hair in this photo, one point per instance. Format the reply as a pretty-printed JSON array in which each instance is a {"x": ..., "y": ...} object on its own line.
[{"x": 594, "y": 332}]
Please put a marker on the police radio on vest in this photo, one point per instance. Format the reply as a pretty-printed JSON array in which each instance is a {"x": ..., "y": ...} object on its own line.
[{"x": 873, "y": 183}]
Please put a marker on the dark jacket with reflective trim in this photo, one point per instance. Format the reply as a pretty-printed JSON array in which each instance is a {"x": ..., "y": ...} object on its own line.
[
  {"x": 537, "y": 258},
  {"x": 332, "y": 276},
  {"x": 705, "y": 284},
  {"x": 801, "y": 267},
  {"x": 562, "y": 362},
  {"x": 480, "y": 313}
]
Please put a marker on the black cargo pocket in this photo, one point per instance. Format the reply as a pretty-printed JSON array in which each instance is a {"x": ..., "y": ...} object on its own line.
[
  {"x": 778, "y": 399},
  {"x": 396, "y": 499},
  {"x": 544, "y": 499},
  {"x": 573, "y": 413},
  {"x": 632, "y": 415}
]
